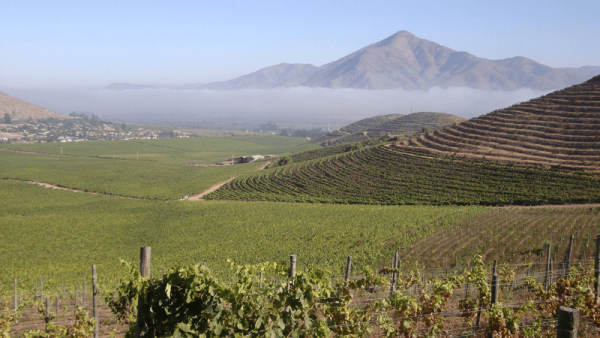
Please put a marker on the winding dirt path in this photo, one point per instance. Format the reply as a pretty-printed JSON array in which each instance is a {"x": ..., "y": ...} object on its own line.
[
  {"x": 262, "y": 167},
  {"x": 200, "y": 196}
]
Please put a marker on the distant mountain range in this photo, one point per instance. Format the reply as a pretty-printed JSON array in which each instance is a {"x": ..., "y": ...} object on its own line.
[{"x": 404, "y": 61}]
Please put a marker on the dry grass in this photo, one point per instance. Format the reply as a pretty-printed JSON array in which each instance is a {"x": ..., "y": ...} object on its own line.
[{"x": 21, "y": 110}]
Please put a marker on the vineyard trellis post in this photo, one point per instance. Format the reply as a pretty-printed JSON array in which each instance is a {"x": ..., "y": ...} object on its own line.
[
  {"x": 547, "y": 278},
  {"x": 348, "y": 267},
  {"x": 47, "y": 318},
  {"x": 56, "y": 298},
  {"x": 292, "y": 266},
  {"x": 41, "y": 289},
  {"x": 145, "y": 273},
  {"x": 551, "y": 272},
  {"x": 292, "y": 275},
  {"x": 395, "y": 264},
  {"x": 16, "y": 305},
  {"x": 569, "y": 253},
  {"x": 84, "y": 292},
  {"x": 495, "y": 283},
  {"x": 568, "y": 323},
  {"x": 597, "y": 269},
  {"x": 95, "y": 301}
]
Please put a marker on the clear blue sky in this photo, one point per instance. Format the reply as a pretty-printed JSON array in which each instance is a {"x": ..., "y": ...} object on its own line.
[{"x": 95, "y": 43}]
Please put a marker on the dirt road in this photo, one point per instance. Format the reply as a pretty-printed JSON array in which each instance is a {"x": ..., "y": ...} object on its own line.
[{"x": 200, "y": 196}]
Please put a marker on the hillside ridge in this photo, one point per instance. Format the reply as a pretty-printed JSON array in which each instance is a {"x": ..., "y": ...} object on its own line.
[
  {"x": 21, "y": 110},
  {"x": 388, "y": 125}
]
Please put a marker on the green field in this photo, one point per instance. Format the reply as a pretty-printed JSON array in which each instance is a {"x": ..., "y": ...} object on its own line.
[
  {"x": 141, "y": 179},
  {"x": 57, "y": 235},
  {"x": 178, "y": 150}
]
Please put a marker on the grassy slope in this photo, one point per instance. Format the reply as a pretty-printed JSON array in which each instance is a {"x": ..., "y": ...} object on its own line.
[
  {"x": 159, "y": 174},
  {"x": 144, "y": 179},
  {"x": 383, "y": 175},
  {"x": 57, "y": 234}
]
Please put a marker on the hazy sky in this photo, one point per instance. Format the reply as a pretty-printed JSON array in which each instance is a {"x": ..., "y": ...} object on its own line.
[{"x": 53, "y": 44}]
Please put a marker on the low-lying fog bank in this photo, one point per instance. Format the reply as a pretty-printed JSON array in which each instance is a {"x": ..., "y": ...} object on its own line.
[{"x": 278, "y": 105}]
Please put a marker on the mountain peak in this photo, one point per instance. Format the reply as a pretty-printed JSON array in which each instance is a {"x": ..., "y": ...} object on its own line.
[{"x": 399, "y": 38}]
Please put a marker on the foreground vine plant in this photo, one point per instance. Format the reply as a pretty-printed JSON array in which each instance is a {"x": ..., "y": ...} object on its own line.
[{"x": 189, "y": 301}]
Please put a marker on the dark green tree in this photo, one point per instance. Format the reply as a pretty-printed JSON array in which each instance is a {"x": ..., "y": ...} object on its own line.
[{"x": 7, "y": 118}]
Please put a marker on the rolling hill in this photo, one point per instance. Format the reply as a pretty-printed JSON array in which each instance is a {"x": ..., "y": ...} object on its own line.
[
  {"x": 543, "y": 151},
  {"x": 388, "y": 125},
  {"x": 561, "y": 129},
  {"x": 21, "y": 110}
]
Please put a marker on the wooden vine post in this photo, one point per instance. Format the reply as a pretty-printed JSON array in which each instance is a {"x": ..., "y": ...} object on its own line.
[
  {"x": 95, "y": 301},
  {"x": 551, "y": 273},
  {"x": 145, "y": 273},
  {"x": 16, "y": 301},
  {"x": 393, "y": 283},
  {"x": 569, "y": 253},
  {"x": 548, "y": 269},
  {"x": 495, "y": 290},
  {"x": 348, "y": 268},
  {"x": 292, "y": 275},
  {"x": 495, "y": 283},
  {"x": 597, "y": 269},
  {"x": 47, "y": 318},
  {"x": 292, "y": 266},
  {"x": 568, "y": 322}
]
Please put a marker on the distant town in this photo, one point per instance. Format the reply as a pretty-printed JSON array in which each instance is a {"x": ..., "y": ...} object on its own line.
[{"x": 78, "y": 128}]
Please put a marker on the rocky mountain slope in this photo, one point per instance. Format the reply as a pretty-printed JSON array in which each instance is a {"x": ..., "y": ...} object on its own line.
[{"x": 405, "y": 61}]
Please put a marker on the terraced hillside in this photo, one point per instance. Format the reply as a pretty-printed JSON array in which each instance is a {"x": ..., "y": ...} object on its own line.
[
  {"x": 393, "y": 124},
  {"x": 416, "y": 121},
  {"x": 368, "y": 123},
  {"x": 389, "y": 175},
  {"x": 561, "y": 129}
]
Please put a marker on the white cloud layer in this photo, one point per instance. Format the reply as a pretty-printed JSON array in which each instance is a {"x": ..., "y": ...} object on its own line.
[{"x": 278, "y": 105}]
